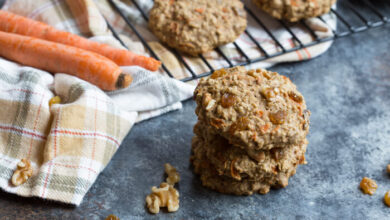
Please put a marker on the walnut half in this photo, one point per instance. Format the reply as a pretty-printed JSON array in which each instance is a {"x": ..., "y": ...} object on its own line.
[
  {"x": 22, "y": 172},
  {"x": 164, "y": 196}
]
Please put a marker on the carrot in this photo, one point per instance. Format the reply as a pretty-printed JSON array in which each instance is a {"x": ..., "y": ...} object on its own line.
[
  {"x": 199, "y": 10},
  {"x": 55, "y": 57},
  {"x": 17, "y": 24}
]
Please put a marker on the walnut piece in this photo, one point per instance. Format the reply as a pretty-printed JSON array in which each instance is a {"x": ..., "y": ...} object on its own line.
[
  {"x": 164, "y": 196},
  {"x": 210, "y": 104},
  {"x": 368, "y": 186},
  {"x": 208, "y": 101},
  {"x": 173, "y": 175},
  {"x": 22, "y": 172}
]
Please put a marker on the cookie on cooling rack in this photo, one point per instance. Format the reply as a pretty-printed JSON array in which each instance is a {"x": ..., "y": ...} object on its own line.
[
  {"x": 295, "y": 10},
  {"x": 197, "y": 26},
  {"x": 255, "y": 109}
]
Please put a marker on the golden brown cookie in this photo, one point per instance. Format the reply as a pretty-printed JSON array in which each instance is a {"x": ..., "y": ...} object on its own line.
[
  {"x": 229, "y": 169},
  {"x": 295, "y": 10},
  {"x": 275, "y": 165},
  {"x": 255, "y": 109},
  {"x": 197, "y": 26},
  {"x": 224, "y": 184}
]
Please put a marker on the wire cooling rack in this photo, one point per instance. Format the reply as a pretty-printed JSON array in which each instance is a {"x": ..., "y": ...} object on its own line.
[{"x": 353, "y": 16}]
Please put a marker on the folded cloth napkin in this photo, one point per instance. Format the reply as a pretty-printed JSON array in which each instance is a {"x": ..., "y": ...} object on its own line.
[{"x": 70, "y": 143}]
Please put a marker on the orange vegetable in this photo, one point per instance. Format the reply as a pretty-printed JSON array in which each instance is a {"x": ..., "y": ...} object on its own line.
[
  {"x": 199, "y": 10},
  {"x": 55, "y": 57},
  {"x": 21, "y": 25}
]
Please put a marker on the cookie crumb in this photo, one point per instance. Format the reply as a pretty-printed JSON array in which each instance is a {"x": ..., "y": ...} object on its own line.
[{"x": 388, "y": 168}]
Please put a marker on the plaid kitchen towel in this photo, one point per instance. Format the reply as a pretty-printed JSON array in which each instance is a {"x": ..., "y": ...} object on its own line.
[{"x": 70, "y": 143}]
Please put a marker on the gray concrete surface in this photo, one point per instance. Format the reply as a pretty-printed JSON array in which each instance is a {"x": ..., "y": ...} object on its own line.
[{"x": 348, "y": 92}]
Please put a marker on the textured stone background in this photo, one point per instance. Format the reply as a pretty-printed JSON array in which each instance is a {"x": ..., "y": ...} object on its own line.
[{"x": 348, "y": 92}]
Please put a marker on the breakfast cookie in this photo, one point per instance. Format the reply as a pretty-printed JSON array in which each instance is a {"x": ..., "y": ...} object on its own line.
[
  {"x": 294, "y": 10},
  {"x": 224, "y": 184},
  {"x": 272, "y": 166},
  {"x": 255, "y": 109},
  {"x": 197, "y": 26}
]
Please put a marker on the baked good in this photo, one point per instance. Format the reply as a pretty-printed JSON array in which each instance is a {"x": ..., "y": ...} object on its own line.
[
  {"x": 237, "y": 163},
  {"x": 197, "y": 26},
  {"x": 224, "y": 184},
  {"x": 254, "y": 171},
  {"x": 295, "y": 10},
  {"x": 255, "y": 109},
  {"x": 251, "y": 131}
]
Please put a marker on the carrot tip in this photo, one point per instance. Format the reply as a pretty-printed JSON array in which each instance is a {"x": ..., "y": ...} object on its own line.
[{"x": 124, "y": 80}]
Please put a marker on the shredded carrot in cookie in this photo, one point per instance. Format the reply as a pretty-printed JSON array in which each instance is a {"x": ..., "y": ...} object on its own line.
[
  {"x": 294, "y": 3},
  {"x": 264, "y": 128},
  {"x": 300, "y": 110},
  {"x": 254, "y": 136},
  {"x": 200, "y": 10},
  {"x": 275, "y": 129}
]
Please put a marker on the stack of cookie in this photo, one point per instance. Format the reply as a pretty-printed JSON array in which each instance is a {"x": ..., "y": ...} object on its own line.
[{"x": 251, "y": 132}]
